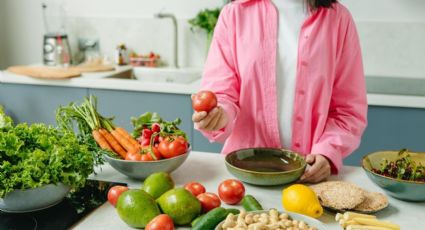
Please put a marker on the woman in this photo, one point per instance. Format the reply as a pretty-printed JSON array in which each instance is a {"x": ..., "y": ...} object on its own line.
[{"x": 288, "y": 76}]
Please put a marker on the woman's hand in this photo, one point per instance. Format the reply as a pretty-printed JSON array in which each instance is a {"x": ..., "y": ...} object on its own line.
[
  {"x": 319, "y": 169},
  {"x": 215, "y": 120}
]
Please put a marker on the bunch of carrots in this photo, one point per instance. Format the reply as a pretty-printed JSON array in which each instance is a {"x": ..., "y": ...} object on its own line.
[{"x": 104, "y": 132}]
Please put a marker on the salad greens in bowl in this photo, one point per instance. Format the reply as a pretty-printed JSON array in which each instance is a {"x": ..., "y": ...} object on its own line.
[
  {"x": 41, "y": 158},
  {"x": 400, "y": 173}
]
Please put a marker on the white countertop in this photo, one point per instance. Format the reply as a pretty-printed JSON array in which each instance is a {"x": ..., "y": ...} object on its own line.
[
  {"x": 98, "y": 81},
  {"x": 209, "y": 169}
]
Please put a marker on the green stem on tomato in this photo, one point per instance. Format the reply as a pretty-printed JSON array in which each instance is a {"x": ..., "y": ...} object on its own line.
[{"x": 151, "y": 143}]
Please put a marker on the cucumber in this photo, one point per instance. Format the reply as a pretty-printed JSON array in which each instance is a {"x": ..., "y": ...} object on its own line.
[
  {"x": 196, "y": 220},
  {"x": 234, "y": 211},
  {"x": 210, "y": 220},
  {"x": 249, "y": 203}
]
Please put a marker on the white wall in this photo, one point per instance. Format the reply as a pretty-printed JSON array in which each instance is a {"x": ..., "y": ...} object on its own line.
[
  {"x": 131, "y": 21},
  {"x": 2, "y": 36},
  {"x": 387, "y": 10}
]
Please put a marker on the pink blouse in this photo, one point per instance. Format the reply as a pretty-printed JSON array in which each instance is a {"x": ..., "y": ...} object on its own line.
[{"x": 330, "y": 107}]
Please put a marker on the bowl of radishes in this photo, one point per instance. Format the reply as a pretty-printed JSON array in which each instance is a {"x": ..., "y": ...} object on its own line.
[{"x": 163, "y": 148}]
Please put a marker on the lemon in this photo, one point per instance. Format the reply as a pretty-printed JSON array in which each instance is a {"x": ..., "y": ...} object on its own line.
[{"x": 301, "y": 199}]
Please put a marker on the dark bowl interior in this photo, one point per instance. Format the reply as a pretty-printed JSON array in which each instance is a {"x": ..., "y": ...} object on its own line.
[{"x": 266, "y": 160}]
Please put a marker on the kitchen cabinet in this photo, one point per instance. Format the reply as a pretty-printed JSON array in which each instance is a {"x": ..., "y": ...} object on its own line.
[
  {"x": 35, "y": 103},
  {"x": 391, "y": 128}
]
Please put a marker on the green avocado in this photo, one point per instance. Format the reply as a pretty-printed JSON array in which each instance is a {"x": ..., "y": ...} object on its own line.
[
  {"x": 136, "y": 208},
  {"x": 180, "y": 205},
  {"x": 158, "y": 183}
]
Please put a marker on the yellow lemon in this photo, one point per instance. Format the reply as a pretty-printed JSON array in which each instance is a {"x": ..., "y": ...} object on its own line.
[{"x": 301, "y": 199}]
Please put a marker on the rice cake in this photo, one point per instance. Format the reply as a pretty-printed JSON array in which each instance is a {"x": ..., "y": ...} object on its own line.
[
  {"x": 339, "y": 195},
  {"x": 374, "y": 202}
]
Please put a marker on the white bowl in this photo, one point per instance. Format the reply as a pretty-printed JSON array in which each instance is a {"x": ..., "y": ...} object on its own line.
[
  {"x": 29, "y": 200},
  {"x": 294, "y": 216}
]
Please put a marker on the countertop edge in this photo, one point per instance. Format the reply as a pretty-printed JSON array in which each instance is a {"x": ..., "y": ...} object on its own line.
[{"x": 387, "y": 100}]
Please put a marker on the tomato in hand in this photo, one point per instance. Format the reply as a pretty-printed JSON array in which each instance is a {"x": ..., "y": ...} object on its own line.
[
  {"x": 172, "y": 147},
  {"x": 204, "y": 101},
  {"x": 133, "y": 156},
  {"x": 195, "y": 188},
  {"x": 161, "y": 222},
  {"x": 115, "y": 192},
  {"x": 231, "y": 191},
  {"x": 208, "y": 201}
]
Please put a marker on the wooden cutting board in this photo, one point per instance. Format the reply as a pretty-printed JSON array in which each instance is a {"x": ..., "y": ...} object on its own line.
[{"x": 45, "y": 72}]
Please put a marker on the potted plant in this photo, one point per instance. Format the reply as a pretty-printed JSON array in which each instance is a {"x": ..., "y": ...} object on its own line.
[{"x": 206, "y": 20}]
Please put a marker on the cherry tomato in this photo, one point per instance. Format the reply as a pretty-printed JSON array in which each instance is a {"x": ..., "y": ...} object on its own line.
[
  {"x": 146, "y": 156},
  {"x": 115, "y": 192},
  {"x": 204, "y": 101},
  {"x": 208, "y": 201},
  {"x": 133, "y": 156},
  {"x": 195, "y": 188},
  {"x": 231, "y": 191},
  {"x": 161, "y": 222},
  {"x": 172, "y": 147}
]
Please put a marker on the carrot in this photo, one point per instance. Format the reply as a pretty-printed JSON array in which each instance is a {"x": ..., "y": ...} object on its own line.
[
  {"x": 124, "y": 133},
  {"x": 100, "y": 140},
  {"x": 124, "y": 142},
  {"x": 113, "y": 143}
]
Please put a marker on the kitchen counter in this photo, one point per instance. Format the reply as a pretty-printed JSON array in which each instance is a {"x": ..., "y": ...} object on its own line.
[
  {"x": 102, "y": 81},
  {"x": 209, "y": 169}
]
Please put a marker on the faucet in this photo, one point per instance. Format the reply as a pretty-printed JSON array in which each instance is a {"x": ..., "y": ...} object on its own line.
[{"x": 176, "y": 37}]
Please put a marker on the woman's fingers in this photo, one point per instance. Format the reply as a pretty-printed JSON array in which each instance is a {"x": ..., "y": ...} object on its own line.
[
  {"x": 318, "y": 171},
  {"x": 215, "y": 120},
  {"x": 207, "y": 120},
  {"x": 199, "y": 116}
]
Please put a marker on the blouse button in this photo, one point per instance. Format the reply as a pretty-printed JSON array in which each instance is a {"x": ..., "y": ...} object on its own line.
[
  {"x": 304, "y": 63},
  {"x": 297, "y": 145},
  {"x": 301, "y": 92},
  {"x": 299, "y": 119}
]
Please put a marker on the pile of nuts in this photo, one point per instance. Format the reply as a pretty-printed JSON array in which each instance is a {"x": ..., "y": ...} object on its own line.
[{"x": 272, "y": 220}]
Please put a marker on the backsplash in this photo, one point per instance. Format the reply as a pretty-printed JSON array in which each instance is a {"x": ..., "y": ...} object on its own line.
[
  {"x": 393, "y": 48},
  {"x": 141, "y": 35}
]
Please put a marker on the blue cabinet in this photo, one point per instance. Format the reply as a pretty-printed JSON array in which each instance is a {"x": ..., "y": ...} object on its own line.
[
  {"x": 35, "y": 104},
  {"x": 391, "y": 128}
]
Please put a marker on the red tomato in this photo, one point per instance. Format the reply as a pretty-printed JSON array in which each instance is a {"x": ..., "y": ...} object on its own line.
[
  {"x": 115, "y": 192},
  {"x": 172, "y": 147},
  {"x": 146, "y": 156},
  {"x": 208, "y": 201},
  {"x": 231, "y": 191},
  {"x": 204, "y": 101},
  {"x": 133, "y": 156},
  {"x": 161, "y": 222},
  {"x": 195, "y": 188}
]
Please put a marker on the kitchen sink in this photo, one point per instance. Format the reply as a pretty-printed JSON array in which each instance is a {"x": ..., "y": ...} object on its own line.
[
  {"x": 166, "y": 75},
  {"x": 160, "y": 75}
]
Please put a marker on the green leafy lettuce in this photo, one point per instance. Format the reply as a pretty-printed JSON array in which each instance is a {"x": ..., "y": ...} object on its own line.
[{"x": 35, "y": 155}]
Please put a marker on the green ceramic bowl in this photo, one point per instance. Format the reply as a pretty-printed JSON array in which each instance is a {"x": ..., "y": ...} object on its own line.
[
  {"x": 400, "y": 189},
  {"x": 265, "y": 166}
]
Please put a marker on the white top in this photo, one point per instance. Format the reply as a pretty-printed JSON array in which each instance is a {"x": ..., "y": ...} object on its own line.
[
  {"x": 292, "y": 14},
  {"x": 210, "y": 170}
]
